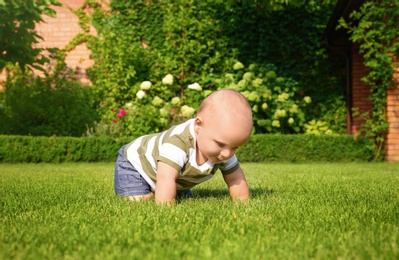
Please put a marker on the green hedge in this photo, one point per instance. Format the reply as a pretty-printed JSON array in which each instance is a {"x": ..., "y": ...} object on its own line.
[
  {"x": 305, "y": 148},
  {"x": 260, "y": 148},
  {"x": 15, "y": 149}
]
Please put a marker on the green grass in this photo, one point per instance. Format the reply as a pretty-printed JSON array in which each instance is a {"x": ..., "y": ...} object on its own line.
[{"x": 297, "y": 211}]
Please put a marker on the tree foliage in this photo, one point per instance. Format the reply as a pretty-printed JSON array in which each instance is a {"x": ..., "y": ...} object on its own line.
[
  {"x": 291, "y": 39},
  {"x": 17, "y": 35}
]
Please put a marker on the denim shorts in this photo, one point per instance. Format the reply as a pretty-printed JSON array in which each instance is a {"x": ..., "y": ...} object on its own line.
[{"x": 127, "y": 180}]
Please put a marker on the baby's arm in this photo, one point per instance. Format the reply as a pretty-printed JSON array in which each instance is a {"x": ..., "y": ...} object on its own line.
[
  {"x": 237, "y": 185},
  {"x": 165, "y": 188}
]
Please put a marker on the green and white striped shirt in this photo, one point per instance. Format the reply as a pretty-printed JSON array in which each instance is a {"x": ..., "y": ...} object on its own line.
[{"x": 175, "y": 147}]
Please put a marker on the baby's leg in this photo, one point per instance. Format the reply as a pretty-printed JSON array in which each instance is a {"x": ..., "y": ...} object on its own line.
[{"x": 128, "y": 183}]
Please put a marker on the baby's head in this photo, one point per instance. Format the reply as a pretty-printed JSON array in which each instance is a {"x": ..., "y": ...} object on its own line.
[{"x": 223, "y": 123}]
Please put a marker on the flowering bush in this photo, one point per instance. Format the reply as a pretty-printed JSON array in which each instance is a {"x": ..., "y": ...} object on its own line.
[
  {"x": 155, "y": 106},
  {"x": 277, "y": 103},
  {"x": 189, "y": 42}
]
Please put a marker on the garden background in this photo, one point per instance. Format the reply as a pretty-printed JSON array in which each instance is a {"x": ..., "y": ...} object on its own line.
[
  {"x": 152, "y": 62},
  {"x": 194, "y": 43}
]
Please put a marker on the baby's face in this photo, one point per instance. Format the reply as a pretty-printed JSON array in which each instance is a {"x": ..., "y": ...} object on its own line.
[{"x": 218, "y": 140}]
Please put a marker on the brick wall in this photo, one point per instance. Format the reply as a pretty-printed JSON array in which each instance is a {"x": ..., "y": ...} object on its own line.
[
  {"x": 58, "y": 32},
  {"x": 392, "y": 138},
  {"x": 360, "y": 92}
]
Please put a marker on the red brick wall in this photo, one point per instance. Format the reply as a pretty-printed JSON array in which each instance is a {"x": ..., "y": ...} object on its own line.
[
  {"x": 360, "y": 92},
  {"x": 58, "y": 32},
  {"x": 392, "y": 138}
]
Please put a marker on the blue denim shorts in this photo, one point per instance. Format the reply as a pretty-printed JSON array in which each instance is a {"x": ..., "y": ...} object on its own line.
[{"x": 127, "y": 180}]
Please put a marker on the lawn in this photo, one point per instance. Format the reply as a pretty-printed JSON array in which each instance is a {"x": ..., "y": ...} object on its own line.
[{"x": 297, "y": 211}]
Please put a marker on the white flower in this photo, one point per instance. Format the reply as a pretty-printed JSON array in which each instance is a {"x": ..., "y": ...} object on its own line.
[
  {"x": 187, "y": 111},
  {"x": 129, "y": 104},
  {"x": 276, "y": 123},
  {"x": 195, "y": 86},
  {"x": 163, "y": 120},
  {"x": 307, "y": 99},
  {"x": 229, "y": 76},
  {"x": 242, "y": 83},
  {"x": 140, "y": 94},
  {"x": 251, "y": 66},
  {"x": 157, "y": 101},
  {"x": 163, "y": 112},
  {"x": 264, "y": 106},
  {"x": 283, "y": 97},
  {"x": 257, "y": 82},
  {"x": 175, "y": 101},
  {"x": 280, "y": 113},
  {"x": 267, "y": 94},
  {"x": 248, "y": 76},
  {"x": 168, "y": 79},
  {"x": 294, "y": 108},
  {"x": 145, "y": 85},
  {"x": 238, "y": 65},
  {"x": 251, "y": 96},
  {"x": 255, "y": 108}
]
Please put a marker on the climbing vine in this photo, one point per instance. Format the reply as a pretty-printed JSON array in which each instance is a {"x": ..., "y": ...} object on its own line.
[{"x": 375, "y": 28}]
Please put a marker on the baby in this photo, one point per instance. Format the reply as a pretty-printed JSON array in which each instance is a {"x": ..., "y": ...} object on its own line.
[{"x": 170, "y": 163}]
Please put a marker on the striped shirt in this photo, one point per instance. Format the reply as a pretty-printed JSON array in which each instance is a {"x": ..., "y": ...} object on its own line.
[{"x": 175, "y": 147}]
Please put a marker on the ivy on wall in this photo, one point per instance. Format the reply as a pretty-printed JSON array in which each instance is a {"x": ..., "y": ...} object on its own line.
[{"x": 375, "y": 27}]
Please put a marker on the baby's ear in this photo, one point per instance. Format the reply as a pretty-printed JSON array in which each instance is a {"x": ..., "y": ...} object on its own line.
[{"x": 198, "y": 123}]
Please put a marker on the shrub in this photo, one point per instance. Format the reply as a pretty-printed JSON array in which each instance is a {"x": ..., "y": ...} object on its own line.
[
  {"x": 181, "y": 39},
  {"x": 305, "y": 148},
  {"x": 55, "y": 104},
  {"x": 29, "y": 149},
  {"x": 200, "y": 42},
  {"x": 154, "y": 107},
  {"x": 277, "y": 105}
]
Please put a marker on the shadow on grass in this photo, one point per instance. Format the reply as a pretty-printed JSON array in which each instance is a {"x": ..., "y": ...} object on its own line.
[{"x": 218, "y": 193}]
